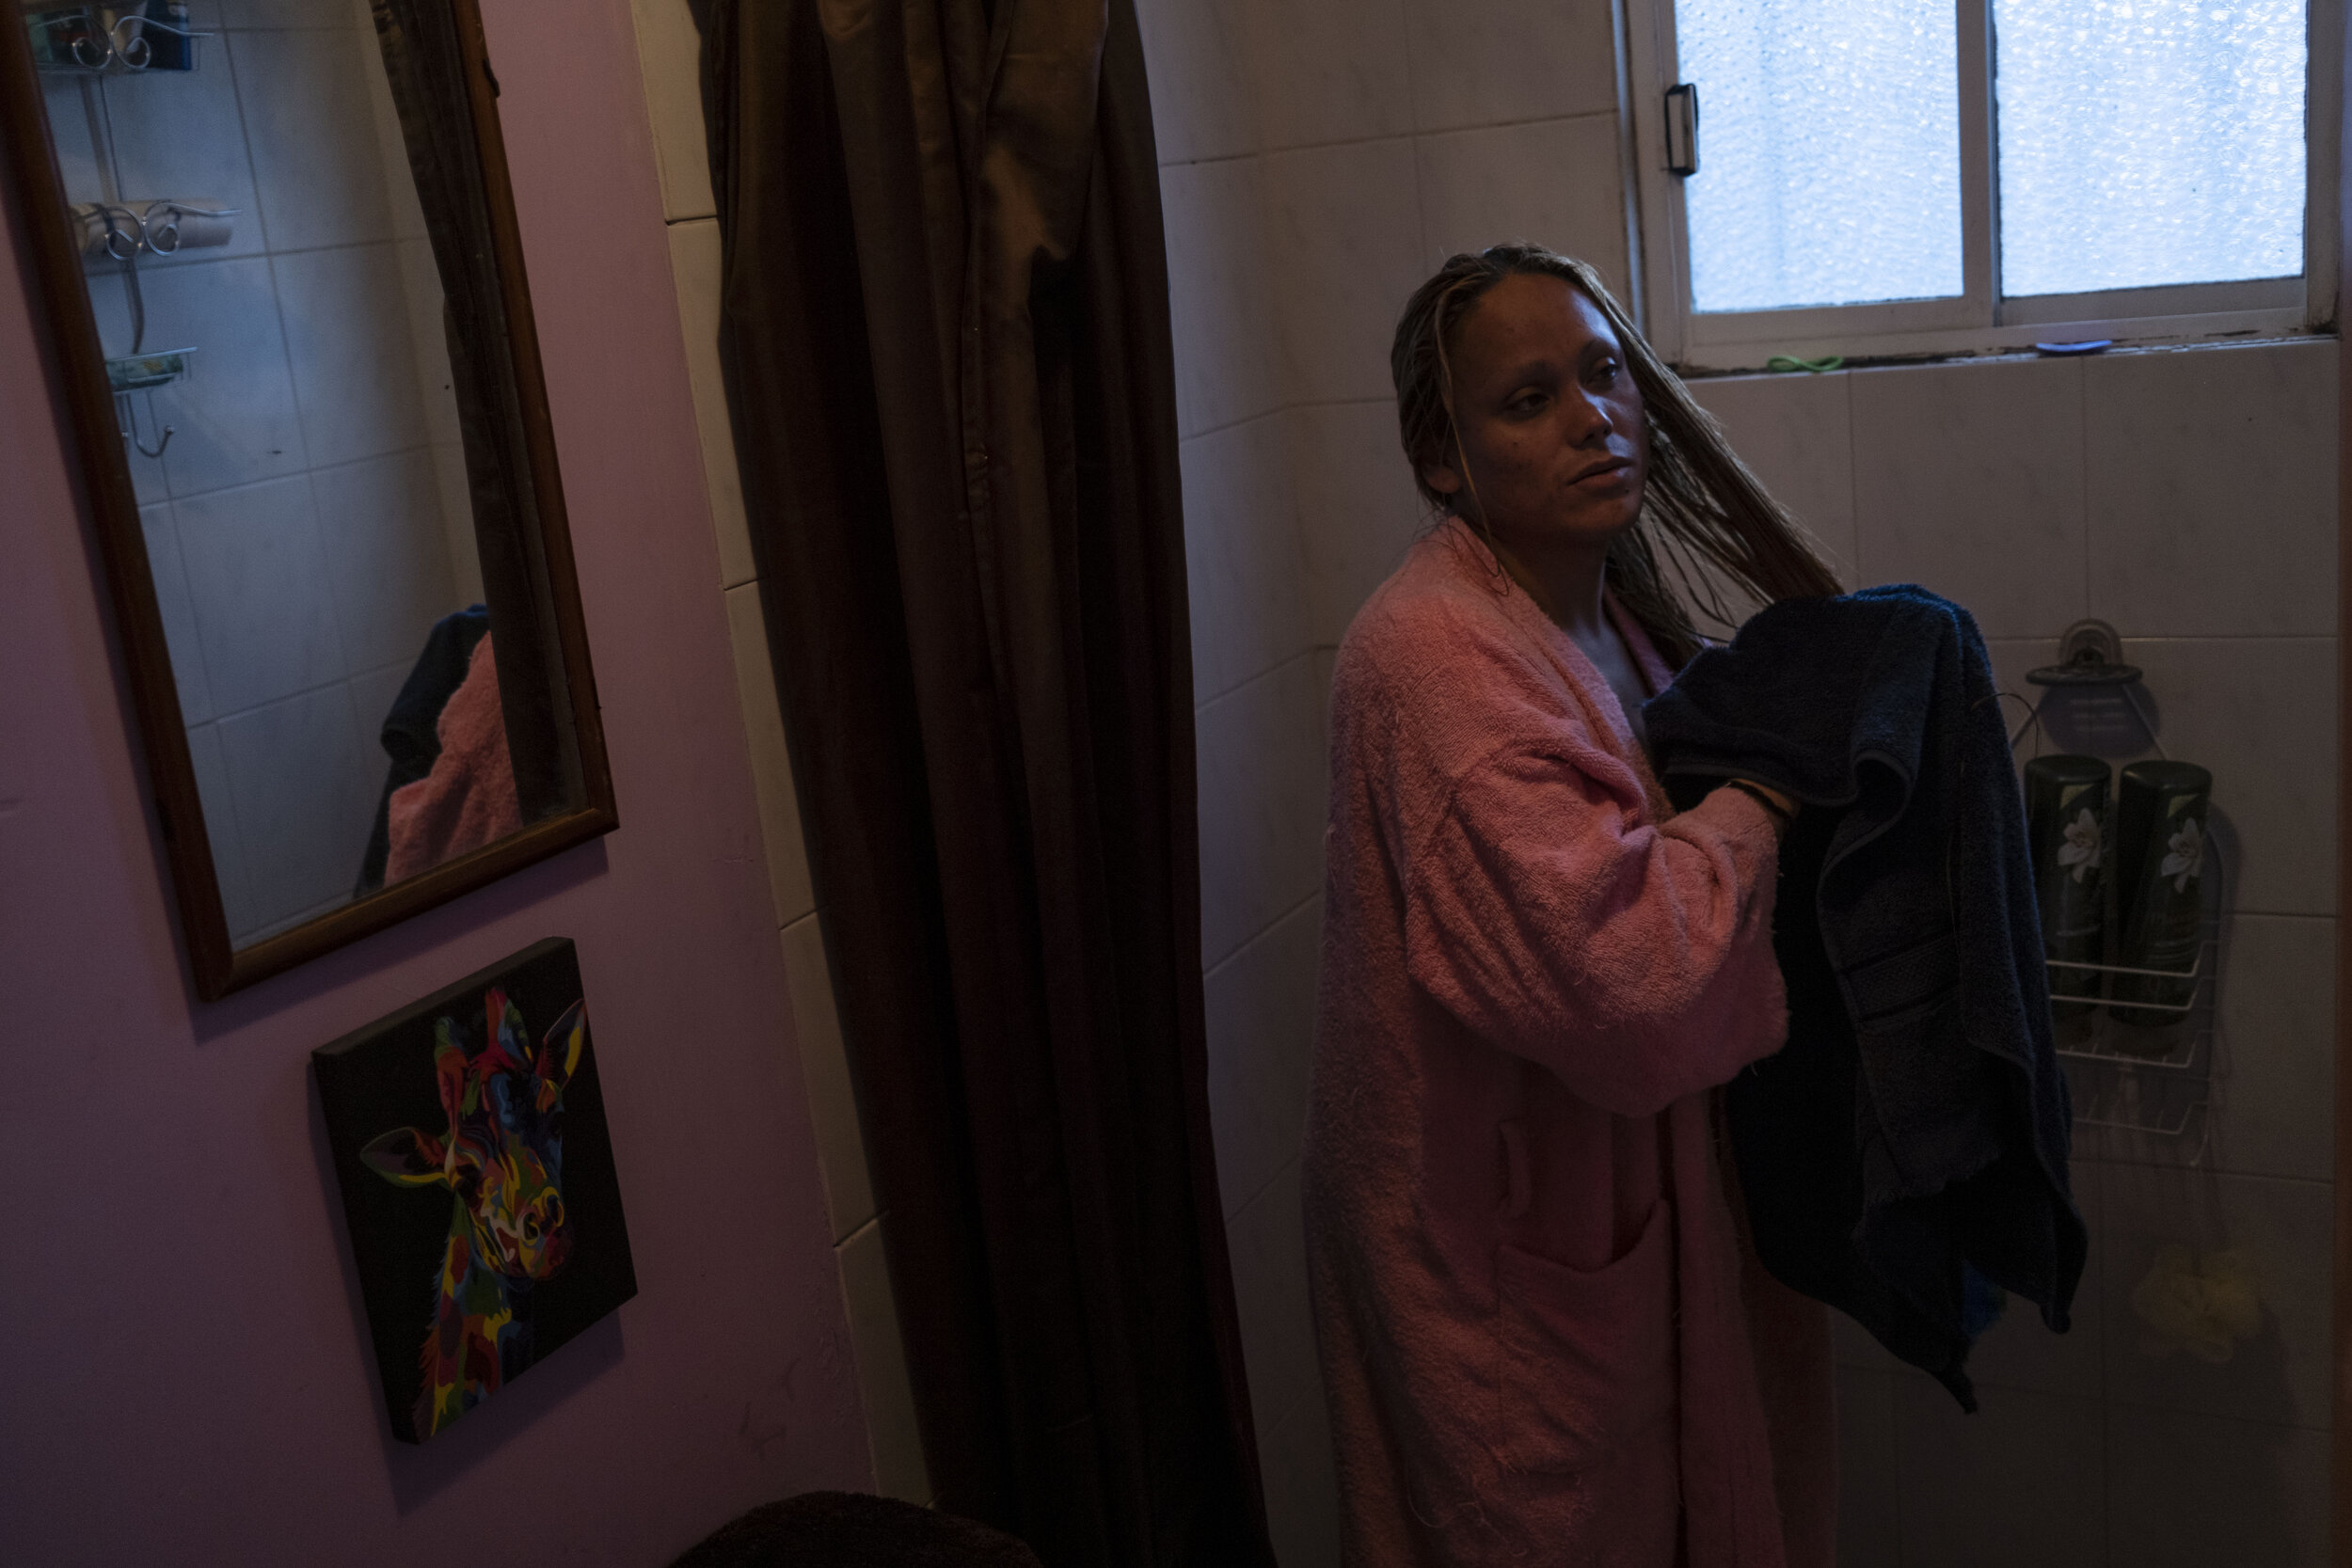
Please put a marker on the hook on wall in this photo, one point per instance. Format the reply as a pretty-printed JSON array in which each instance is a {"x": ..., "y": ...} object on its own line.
[
  {"x": 142, "y": 373},
  {"x": 2090, "y": 654},
  {"x": 126, "y": 413}
]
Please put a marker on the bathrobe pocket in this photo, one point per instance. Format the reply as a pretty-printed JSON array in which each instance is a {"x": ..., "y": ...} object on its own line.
[{"x": 1586, "y": 1363}]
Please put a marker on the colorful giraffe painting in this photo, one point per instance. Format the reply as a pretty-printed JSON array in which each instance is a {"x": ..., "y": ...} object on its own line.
[{"x": 502, "y": 1159}]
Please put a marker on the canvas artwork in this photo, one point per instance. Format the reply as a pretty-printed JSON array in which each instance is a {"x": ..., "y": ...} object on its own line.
[{"x": 468, "y": 1138}]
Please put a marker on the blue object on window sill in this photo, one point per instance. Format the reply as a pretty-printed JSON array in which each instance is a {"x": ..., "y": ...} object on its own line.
[{"x": 2090, "y": 346}]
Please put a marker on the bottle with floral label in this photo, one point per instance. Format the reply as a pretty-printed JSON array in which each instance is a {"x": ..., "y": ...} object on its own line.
[
  {"x": 2066, "y": 822},
  {"x": 2160, "y": 835}
]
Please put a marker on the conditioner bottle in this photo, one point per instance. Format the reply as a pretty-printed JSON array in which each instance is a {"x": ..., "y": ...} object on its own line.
[
  {"x": 2160, "y": 839},
  {"x": 2066, "y": 819}
]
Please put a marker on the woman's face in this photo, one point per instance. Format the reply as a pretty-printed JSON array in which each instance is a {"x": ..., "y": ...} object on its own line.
[{"x": 1549, "y": 418}]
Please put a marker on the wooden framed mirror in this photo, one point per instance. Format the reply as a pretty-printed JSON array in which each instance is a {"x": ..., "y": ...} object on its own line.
[{"x": 285, "y": 292}]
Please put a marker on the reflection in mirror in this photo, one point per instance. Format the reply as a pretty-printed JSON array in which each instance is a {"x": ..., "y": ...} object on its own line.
[
  {"x": 270, "y": 318},
  {"x": 285, "y": 228}
]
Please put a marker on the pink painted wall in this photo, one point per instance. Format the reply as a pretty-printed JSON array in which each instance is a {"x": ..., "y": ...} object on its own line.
[{"x": 183, "y": 1369}]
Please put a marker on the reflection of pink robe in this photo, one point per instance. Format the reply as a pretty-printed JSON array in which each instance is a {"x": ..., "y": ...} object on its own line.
[
  {"x": 1534, "y": 1334},
  {"x": 467, "y": 801}
]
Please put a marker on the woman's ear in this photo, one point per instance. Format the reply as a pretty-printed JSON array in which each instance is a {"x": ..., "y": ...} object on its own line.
[{"x": 1442, "y": 478}]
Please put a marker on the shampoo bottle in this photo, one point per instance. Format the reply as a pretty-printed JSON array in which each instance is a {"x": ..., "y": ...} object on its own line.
[
  {"x": 2160, "y": 840},
  {"x": 2066, "y": 824},
  {"x": 170, "y": 47}
]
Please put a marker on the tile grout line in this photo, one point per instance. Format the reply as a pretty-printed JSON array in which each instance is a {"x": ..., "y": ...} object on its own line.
[
  {"x": 1854, "y": 486},
  {"x": 1211, "y": 971},
  {"x": 1273, "y": 413},
  {"x": 1384, "y": 400},
  {"x": 285, "y": 352},
  {"x": 2082, "y": 471},
  {"x": 1263, "y": 1188},
  {"x": 2321, "y": 1181},
  {"x": 421, "y": 448},
  {"x": 204, "y": 665},
  {"x": 313, "y": 689},
  {"x": 2254, "y": 1421},
  {"x": 1417, "y": 133},
  {"x": 1292, "y": 406},
  {"x": 1420, "y": 197},
  {"x": 1201, "y": 705}
]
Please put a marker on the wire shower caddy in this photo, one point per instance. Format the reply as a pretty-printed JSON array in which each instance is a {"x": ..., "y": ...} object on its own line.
[{"x": 2134, "y": 1081}]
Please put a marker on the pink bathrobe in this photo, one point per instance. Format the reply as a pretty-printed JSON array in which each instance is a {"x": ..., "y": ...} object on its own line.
[{"x": 1527, "y": 1279}]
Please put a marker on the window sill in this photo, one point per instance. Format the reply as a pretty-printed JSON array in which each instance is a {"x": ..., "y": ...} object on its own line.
[{"x": 2218, "y": 329}]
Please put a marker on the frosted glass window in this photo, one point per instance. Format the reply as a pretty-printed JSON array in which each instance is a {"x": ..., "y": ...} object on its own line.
[
  {"x": 2145, "y": 142},
  {"x": 1829, "y": 151}
]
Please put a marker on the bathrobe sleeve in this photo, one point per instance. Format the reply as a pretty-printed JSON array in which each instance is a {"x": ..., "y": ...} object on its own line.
[{"x": 1633, "y": 959}]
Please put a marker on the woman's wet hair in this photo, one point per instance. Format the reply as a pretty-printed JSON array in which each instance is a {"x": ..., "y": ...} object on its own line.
[{"x": 1702, "y": 510}]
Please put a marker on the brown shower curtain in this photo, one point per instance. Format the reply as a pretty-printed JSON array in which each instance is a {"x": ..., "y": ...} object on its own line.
[
  {"x": 425, "y": 66},
  {"x": 947, "y": 336}
]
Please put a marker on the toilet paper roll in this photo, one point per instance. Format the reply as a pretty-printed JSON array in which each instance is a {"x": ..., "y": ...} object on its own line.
[{"x": 122, "y": 228}]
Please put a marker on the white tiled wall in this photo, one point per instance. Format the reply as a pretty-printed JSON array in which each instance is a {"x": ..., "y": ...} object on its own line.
[
  {"x": 669, "y": 49},
  {"x": 1318, "y": 160},
  {"x": 2187, "y": 497},
  {"x": 307, "y": 523}
]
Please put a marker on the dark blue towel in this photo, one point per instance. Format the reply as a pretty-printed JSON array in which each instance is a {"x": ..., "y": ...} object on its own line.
[{"x": 1915, "y": 1130}]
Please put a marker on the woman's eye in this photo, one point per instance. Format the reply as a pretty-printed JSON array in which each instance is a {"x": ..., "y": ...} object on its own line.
[
  {"x": 1605, "y": 372},
  {"x": 1526, "y": 402}
]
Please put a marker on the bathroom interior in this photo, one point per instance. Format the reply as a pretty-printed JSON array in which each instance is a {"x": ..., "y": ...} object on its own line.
[
  {"x": 2186, "y": 496},
  {"x": 263, "y": 290}
]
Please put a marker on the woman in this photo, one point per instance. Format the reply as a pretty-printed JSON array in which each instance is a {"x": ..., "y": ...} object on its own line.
[{"x": 1541, "y": 1336}]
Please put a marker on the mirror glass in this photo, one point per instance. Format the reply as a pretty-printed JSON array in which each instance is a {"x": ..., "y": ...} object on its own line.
[{"x": 273, "y": 203}]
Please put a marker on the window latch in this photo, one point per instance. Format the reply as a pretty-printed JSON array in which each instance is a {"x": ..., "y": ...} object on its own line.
[{"x": 1683, "y": 129}]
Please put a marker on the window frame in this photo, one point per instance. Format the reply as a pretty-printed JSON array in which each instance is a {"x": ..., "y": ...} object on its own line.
[{"x": 1977, "y": 320}]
